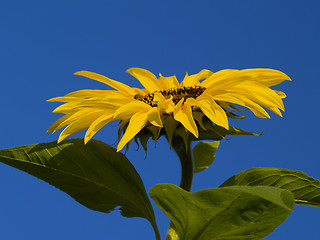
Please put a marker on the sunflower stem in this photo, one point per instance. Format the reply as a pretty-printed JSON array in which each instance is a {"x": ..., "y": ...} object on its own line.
[
  {"x": 185, "y": 156},
  {"x": 184, "y": 153},
  {"x": 156, "y": 231}
]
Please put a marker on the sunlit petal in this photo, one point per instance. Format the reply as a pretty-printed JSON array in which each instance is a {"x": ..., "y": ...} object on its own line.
[
  {"x": 205, "y": 107},
  {"x": 168, "y": 82},
  {"x": 214, "y": 95},
  {"x": 64, "y": 99},
  {"x": 229, "y": 77},
  {"x": 276, "y": 111},
  {"x": 112, "y": 83},
  {"x": 194, "y": 79},
  {"x": 281, "y": 94},
  {"x": 183, "y": 114},
  {"x": 266, "y": 76},
  {"x": 220, "y": 116},
  {"x": 70, "y": 118},
  {"x": 158, "y": 97},
  {"x": 218, "y": 76},
  {"x": 128, "y": 110},
  {"x": 154, "y": 117},
  {"x": 261, "y": 95},
  {"x": 85, "y": 93},
  {"x": 66, "y": 108},
  {"x": 97, "y": 125},
  {"x": 78, "y": 125},
  {"x": 137, "y": 122},
  {"x": 228, "y": 97},
  {"x": 213, "y": 111},
  {"x": 255, "y": 108},
  {"x": 164, "y": 105},
  {"x": 58, "y": 124},
  {"x": 146, "y": 78}
]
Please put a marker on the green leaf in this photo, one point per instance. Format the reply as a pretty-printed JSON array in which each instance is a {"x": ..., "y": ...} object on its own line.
[
  {"x": 237, "y": 212},
  {"x": 95, "y": 175},
  {"x": 306, "y": 190},
  {"x": 204, "y": 154},
  {"x": 217, "y": 133}
]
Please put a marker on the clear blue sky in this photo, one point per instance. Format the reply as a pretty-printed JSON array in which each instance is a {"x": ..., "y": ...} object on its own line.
[{"x": 44, "y": 42}]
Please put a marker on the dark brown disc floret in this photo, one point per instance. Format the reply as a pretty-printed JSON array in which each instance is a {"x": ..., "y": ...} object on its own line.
[{"x": 176, "y": 93}]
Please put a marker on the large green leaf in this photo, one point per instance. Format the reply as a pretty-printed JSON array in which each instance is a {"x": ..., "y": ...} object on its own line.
[
  {"x": 95, "y": 175},
  {"x": 306, "y": 190},
  {"x": 237, "y": 212},
  {"x": 204, "y": 154}
]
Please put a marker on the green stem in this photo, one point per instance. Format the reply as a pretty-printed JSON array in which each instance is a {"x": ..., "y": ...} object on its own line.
[
  {"x": 156, "y": 231},
  {"x": 185, "y": 156}
]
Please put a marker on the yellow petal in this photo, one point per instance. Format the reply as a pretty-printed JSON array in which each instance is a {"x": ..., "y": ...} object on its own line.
[
  {"x": 194, "y": 79},
  {"x": 137, "y": 122},
  {"x": 64, "y": 99},
  {"x": 114, "y": 99},
  {"x": 88, "y": 104},
  {"x": 259, "y": 94},
  {"x": 96, "y": 105},
  {"x": 266, "y": 76},
  {"x": 220, "y": 116},
  {"x": 164, "y": 105},
  {"x": 158, "y": 97},
  {"x": 183, "y": 114},
  {"x": 85, "y": 93},
  {"x": 97, "y": 95},
  {"x": 168, "y": 82},
  {"x": 281, "y": 94},
  {"x": 128, "y": 110},
  {"x": 203, "y": 74},
  {"x": 276, "y": 111},
  {"x": 56, "y": 125},
  {"x": 228, "y": 77},
  {"x": 78, "y": 125},
  {"x": 179, "y": 104},
  {"x": 213, "y": 111},
  {"x": 228, "y": 97},
  {"x": 204, "y": 105},
  {"x": 97, "y": 125},
  {"x": 66, "y": 108},
  {"x": 112, "y": 83},
  {"x": 218, "y": 76},
  {"x": 146, "y": 78},
  {"x": 168, "y": 105},
  {"x": 243, "y": 101},
  {"x": 154, "y": 117},
  {"x": 69, "y": 118},
  {"x": 251, "y": 95},
  {"x": 255, "y": 108}
]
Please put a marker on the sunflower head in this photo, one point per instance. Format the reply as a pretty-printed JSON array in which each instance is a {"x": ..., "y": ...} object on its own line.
[{"x": 197, "y": 108}]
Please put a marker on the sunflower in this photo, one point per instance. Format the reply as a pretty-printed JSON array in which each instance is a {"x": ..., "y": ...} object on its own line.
[{"x": 164, "y": 103}]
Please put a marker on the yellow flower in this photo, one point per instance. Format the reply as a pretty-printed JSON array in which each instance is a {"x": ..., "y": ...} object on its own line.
[{"x": 205, "y": 94}]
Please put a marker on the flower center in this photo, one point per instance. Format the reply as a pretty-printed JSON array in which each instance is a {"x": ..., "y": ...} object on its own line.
[{"x": 176, "y": 93}]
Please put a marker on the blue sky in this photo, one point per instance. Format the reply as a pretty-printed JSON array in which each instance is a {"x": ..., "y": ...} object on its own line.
[{"x": 44, "y": 42}]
